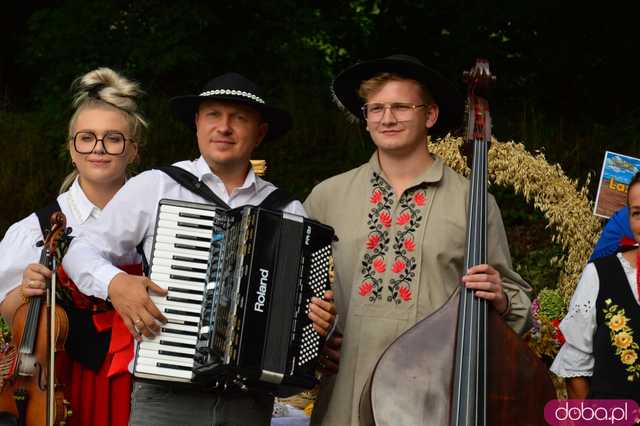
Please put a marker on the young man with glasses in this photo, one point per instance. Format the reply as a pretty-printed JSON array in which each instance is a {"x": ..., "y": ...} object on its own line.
[
  {"x": 400, "y": 219},
  {"x": 231, "y": 118}
]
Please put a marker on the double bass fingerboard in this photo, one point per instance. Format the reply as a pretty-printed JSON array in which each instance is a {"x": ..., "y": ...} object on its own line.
[{"x": 470, "y": 369}]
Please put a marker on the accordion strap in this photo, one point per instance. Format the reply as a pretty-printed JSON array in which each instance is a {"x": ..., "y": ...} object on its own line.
[
  {"x": 277, "y": 200},
  {"x": 193, "y": 184}
]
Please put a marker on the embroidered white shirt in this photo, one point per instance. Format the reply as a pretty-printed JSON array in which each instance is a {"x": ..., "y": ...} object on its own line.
[
  {"x": 18, "y": 247},
  {"x": 575, "y": 358},
  {"x": 130, "y": 217}
]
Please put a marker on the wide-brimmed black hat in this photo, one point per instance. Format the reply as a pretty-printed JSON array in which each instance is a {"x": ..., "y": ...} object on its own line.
[
  {"x": 233, "y": 87},
  {"x": 450, "y": 102}
]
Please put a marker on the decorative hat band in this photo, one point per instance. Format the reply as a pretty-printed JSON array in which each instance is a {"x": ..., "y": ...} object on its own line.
[{"x": 232, "y": 92}]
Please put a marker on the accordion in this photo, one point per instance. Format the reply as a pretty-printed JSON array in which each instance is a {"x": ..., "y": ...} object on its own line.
[{"x": 239, "y": 286}]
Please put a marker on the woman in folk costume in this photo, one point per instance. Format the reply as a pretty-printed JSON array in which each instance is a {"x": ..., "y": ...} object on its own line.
[
  {"x": 104, "y": 135},
  {"x": 601, "y": 356}
]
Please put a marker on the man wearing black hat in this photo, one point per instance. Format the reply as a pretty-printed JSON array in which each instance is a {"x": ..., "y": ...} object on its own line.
[
  {"x": 400, "y": 219},
  {"x": 231, "y": 117}
]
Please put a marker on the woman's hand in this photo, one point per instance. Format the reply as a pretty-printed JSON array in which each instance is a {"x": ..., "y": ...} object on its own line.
[
  {"x": 33, "y": 284},
  {"x": 34, "y": 280}
]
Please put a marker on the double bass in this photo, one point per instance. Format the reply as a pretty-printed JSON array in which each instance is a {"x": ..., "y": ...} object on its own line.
[
  {"x": 29, "y": 390},
  {"x": 462, "y": 365}
]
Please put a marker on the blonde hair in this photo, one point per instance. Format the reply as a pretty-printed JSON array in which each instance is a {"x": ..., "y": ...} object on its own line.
[
  {"x": 375, "y": 83},
  {"x": 105, "y": 88}
]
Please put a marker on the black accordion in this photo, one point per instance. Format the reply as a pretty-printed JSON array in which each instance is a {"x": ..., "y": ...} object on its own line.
[{"x": 239, "y": 286}]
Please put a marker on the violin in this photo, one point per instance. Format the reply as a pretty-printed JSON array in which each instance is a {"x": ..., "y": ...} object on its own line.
[
  {"x": 462, "y": 365},
  {"x": 40, "y": 328}
]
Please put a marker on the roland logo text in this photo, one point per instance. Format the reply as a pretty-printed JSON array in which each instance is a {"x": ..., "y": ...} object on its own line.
[{"x": 262, "y": 291}]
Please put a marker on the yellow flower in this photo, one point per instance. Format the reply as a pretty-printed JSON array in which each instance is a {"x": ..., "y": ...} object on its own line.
[
  {"x": 623, "y": 340},
  {"x": 628, "y": 356},
  {"x": 617, "y": 322}
]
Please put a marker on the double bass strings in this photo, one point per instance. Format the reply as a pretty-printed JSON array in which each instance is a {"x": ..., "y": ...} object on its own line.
[{"x": 470, "y": 377}]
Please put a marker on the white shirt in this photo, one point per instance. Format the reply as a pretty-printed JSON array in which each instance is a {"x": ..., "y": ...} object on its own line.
[
  {"x": 130, "y": 218},
  {"x": 575, "y": 358},
  {"x": 18, "y": 247}
]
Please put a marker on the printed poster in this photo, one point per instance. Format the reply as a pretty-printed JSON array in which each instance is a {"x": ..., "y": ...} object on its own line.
[{"x": 617, "y": 172}]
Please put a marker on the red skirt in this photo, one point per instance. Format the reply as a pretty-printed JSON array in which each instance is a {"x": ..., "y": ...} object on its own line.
[
  {"x": 95, "y": 398},
  {"x": 102, "y": 398}
]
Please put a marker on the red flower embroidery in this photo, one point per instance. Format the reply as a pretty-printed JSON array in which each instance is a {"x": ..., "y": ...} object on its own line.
[
  {"x": 559, "y": 337},
  {"x": 365, "y": 288},
  {"x": 403, "y": 218},
  {"x": 373, "y": 241},
  {"x": 419, "y": 198},
  {"x": 375, "y": 197},
  {"x": 378, "y": 265},
  {"x": 409, "y": 244},
  {"x": 398, "y": 266},
  {"x": 405, "y": 293},
  {"x": 385, "y": 218}
]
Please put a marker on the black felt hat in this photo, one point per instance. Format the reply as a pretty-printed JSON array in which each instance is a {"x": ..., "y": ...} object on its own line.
[
  {"x": 233, "y": 87},
  {"x": 450, "y": 102}
]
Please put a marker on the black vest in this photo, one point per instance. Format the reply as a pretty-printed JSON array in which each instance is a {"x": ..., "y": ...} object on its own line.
[{"x": 609, "y": 379}]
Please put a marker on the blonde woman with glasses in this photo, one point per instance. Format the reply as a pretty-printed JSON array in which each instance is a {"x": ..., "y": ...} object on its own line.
[{"x": 105, "y": 132}]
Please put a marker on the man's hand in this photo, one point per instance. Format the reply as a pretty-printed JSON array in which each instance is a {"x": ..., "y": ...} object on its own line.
[
  {"x": 129, "y": 296},
  {"x": 487, "y": 283},
  {"x": 330, "y": 355},
  {"x": 34, "y": 280},
  {"x": 323, "y": 313}
]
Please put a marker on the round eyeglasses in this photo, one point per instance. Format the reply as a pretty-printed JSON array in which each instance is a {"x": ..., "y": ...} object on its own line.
[{"x": 86, "y": 142}]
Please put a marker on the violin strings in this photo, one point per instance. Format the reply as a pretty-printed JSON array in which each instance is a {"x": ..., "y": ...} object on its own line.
[{"x": 27, "y": 344}]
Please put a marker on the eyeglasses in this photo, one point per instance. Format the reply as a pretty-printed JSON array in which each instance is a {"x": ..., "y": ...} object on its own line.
[
  {"x": 86, "y": 142},
  {"x": 401, "y": 111}
]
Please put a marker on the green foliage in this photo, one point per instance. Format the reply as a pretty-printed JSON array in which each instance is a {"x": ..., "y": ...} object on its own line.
[
  {"x": 5, "y": 336},
  {"x": 536, "y": 266},
  {"x": 532, "y": 249},
  {"x": 30, "y": 171},
  {"x": 551, "y": 304}
]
